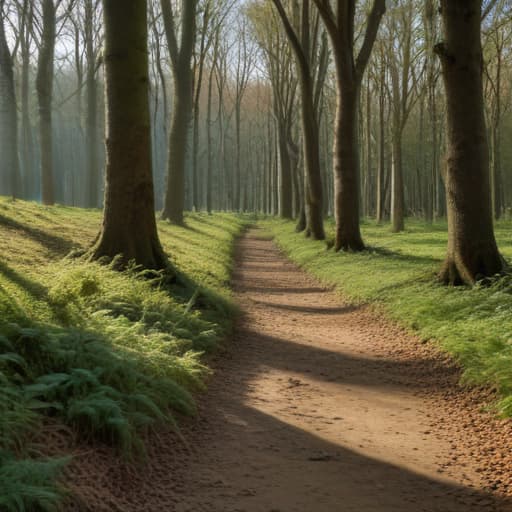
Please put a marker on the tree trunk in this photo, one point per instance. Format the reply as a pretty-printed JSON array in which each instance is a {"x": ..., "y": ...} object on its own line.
[
  {"x": 472, "y": 250},
  {"x": 381, "y": 170},
  {"x": 310, "y": 126},
  {"x": 27, "y": 153},
  {"x": 286, "y": 197},
  {"x": 44, "y": 86},
  {"x": 314, "y": 192},
  {"x": 346, "y": 169},
  {"x": 199, "y": 68},
  {"x": 209, "y": 165},
  {"x": 9, "y": 160},
  {"x": 92, "y": 110},
  {"x": 397, "y": 184},
  {"x": 129, "y": 224},
  {"x": 174, "y": 200}
]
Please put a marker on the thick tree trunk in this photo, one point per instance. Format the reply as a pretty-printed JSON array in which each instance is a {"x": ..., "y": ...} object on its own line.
[
  {"x": 472, "y": 250},
  {"x": 9, "y": 160},
  {"x": 346, "y": 169},
  {"x": 129, "y": 224},
  {"x": 44, "y": 86}
]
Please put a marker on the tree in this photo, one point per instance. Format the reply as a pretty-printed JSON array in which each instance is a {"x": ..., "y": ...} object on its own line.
[
  {"x": 9, "y": 161},
  {"x": 472, "y": 249},
  {"x": 181, "y": 63},
  {"x": 281, "y": 73},
  {"x": 91, "y": 52},
  {"x": 497, "y": 40},
  {"x": 244, "y": 62},
  {"x": 349, "y": 76},
  {"x": 401, "y": 55},
  {"x": 301, "y": 46},
  {"x": 44, "y": 86},
  {"x": 25, "y": 14},
  {"x": 129, "y": 224}
]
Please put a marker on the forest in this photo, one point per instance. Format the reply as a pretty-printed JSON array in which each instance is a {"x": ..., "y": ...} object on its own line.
[{"x": 255, "y": 255}]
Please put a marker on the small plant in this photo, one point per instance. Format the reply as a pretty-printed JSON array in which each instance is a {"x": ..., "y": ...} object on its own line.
[
  {"x": 29, "y": 485},
  {"x": 109, "y": 353}
]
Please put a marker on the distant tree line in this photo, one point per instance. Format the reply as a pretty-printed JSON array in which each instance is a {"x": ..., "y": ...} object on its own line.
[{"x": 350, "y": 108}]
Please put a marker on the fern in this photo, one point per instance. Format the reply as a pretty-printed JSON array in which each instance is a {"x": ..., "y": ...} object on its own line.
[{"x": 28, "y": 485}]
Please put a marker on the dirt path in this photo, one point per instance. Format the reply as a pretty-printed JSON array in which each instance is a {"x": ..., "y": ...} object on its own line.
[
  {"x": 323, "y": 407},
  {"x": 316, "y": 406}
]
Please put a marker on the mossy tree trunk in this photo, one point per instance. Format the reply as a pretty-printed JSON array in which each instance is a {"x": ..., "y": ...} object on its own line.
[
  {"x": 129, "y": 224},
  {"x": 472, "y": 249}
]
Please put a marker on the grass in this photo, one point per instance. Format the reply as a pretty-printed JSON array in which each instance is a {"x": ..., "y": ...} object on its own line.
[
  {"x": 398, "y": 273},
  {"x": 109, "y": 353}
]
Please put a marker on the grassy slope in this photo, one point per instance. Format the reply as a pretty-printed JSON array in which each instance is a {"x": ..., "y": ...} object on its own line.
[
  {"x": 108, "y": 353},
  {"x": 398, "y": 272}
]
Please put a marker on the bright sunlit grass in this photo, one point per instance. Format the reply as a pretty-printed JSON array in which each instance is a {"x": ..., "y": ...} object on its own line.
[
  {"x": 398, "y": 272},
  {"x": 108, "y": 353}
]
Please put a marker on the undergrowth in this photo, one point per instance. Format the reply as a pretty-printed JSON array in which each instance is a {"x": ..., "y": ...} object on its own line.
[
  {"x": 110, "y": 354},
  {"x": 398, "y": 271}
]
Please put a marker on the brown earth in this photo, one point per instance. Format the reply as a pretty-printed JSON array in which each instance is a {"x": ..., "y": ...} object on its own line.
[{"x": 316, "y": 406}]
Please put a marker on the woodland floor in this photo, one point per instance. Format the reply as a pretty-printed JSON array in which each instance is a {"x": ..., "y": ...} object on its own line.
[{"x": 316, "y": 406}]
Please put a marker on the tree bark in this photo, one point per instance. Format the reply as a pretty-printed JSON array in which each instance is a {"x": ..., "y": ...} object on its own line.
[
  {"x": 9, "y": 160},
  {"x": 381, "y": 169},
  {"x": 92, "y": 110},
  {"x": 310, "y": 129},
  {"x": 472, "y": 249},
  {"x": 397, "y": 184},
  {"x": 349, "y": 75},
  {"x": 286, "y": 198},
  {"x": 346, "y": 171},
  {"x": 129, "y": 224},
  {"x": 174, "y": 201},
  {"x": 27, "y": 154},
  {"x": 44, "y": 86}
]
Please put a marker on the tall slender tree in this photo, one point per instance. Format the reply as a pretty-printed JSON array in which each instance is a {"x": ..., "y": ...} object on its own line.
[
  {"x": 9, "y": 160},
  {"x": 44, "y": 86},
  {"x": 91, "y": 53},
  {"x": 349, "y": 75},
  {"x": 301, "y": 46},
  {"x": 181, "y": 63}
]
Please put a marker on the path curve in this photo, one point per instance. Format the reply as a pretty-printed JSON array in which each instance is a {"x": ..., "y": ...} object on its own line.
[
  {"x": 320, "y": 406},
  {"x": 315, "y": 406}
]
